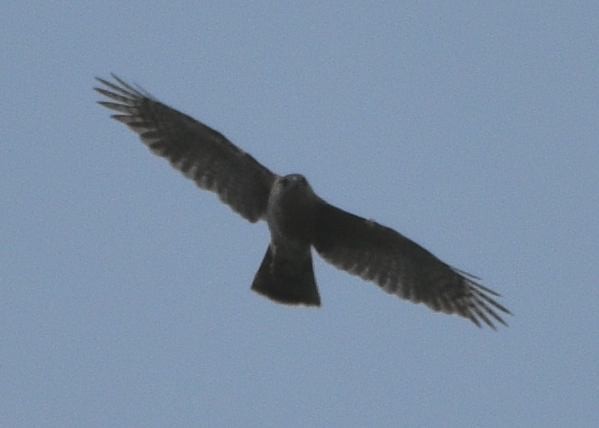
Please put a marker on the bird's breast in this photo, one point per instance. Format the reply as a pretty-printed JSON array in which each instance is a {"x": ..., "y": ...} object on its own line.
[{"x": 291, "y": 219}]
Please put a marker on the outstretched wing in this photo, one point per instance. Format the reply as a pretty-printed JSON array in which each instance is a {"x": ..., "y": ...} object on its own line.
[
  {"x": 199, "y": 152},
  {"x": 400, "y": 266}
]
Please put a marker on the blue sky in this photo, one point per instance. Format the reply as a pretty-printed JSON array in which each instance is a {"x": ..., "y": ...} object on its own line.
[{"x": 470, "y": 127}]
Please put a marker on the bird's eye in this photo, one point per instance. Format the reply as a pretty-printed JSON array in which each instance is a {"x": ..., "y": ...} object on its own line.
[{"x": 284, "y": 181}]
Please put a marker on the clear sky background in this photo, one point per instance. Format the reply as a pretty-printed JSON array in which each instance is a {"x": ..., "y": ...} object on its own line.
[{"x": 470, "y": 127}]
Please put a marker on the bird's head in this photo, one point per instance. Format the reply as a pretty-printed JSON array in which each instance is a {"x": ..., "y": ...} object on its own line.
[
  {"x": 294, "y": 187},
  {"x": 292, "y": 181}
]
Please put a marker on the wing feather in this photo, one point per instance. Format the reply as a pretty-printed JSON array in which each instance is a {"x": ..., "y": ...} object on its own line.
[
  {"x": 400, "y": 266},
  {"x": 199, "y": 152}
]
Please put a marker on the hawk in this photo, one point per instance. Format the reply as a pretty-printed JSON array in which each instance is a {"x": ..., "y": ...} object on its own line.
[{"x": 298, "y": 219}]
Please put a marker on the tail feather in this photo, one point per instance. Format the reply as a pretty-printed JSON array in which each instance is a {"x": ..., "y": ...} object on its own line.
[{"x": 286, "y": 280}]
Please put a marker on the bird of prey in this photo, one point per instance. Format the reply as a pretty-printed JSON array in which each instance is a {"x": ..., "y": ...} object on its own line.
[{"x": 298, "y": 219}]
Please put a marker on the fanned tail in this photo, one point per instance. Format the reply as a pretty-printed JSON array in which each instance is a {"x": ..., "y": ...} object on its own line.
[{"x": 287, "y": 280}]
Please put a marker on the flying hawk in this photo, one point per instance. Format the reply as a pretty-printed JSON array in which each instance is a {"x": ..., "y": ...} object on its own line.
[{"x": 298, "y": 219}]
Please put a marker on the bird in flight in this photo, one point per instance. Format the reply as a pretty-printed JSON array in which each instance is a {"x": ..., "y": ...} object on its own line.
[{"x": 298, "y": 219}]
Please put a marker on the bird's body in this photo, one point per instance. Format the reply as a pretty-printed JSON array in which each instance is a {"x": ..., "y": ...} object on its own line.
[
  {"x": 290, "y": 216},
  {"x": 290, "y": 211},
  {"x": 297, "y": 218}
]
